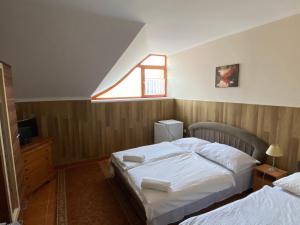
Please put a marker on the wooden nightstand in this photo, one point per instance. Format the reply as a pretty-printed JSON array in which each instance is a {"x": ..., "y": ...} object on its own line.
[{"x": 263, "y": 176}]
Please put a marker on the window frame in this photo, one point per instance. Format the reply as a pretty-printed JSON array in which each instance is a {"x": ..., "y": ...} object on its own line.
[{"x": 143, "y": 68}]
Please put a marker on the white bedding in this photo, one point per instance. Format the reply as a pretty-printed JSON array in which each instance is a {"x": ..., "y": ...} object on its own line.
[
  {"x": 190, "y": 143},
  {"x": 192, "y": 177},
  {"x": 268, "y": 206},
  {"x": 151, "y": 152}
]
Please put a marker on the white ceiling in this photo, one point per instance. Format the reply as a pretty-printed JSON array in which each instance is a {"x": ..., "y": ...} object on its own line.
[
  {"x": 65, "y": 48},
  {"x": 174, "y": 25}
]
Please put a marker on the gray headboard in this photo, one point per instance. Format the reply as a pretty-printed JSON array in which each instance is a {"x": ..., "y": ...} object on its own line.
[
  {"x": 229, "y": 135},
  {"x": 298, "y": 169}
]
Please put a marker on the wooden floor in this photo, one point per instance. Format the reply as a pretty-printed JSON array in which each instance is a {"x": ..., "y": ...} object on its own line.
[{"x": 40, "y": 209}]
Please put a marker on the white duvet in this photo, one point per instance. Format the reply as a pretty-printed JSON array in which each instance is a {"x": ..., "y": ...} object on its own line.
[
  {"x": 192, "y": 178},
  {"x": 268, "y": 206},
  {"x": 151, "y": 152}
]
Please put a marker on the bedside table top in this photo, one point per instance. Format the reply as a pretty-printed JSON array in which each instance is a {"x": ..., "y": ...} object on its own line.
[{"x": 277, "y": 173}]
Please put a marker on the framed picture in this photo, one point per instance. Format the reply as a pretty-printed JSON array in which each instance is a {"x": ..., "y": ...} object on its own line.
[{"x": 227, "y": 76}]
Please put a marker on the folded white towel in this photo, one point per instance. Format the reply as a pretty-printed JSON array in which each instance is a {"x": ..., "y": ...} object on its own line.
[
  {"x": 155, "y": 184},
  {"x": 134, "y": 158}
]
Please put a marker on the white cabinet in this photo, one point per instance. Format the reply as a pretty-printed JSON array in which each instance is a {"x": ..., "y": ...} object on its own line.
[{"x": 167, "y": 130}]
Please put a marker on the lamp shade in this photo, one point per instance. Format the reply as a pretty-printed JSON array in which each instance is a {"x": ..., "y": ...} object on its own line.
[{"x": 274, "y": 150}]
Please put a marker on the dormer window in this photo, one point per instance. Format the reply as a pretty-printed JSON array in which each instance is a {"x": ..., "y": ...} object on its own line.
[{"x": 148, "y": 79}]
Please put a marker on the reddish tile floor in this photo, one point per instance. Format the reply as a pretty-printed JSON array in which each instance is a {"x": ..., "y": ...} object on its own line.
[{"x": 40, "y": 208}]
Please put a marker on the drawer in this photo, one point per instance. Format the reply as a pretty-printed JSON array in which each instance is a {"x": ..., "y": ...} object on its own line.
[
  {"x": 36, "y": 154},
  {"x": 38, "y": 164},
  {"x": 35, "y": 179}
]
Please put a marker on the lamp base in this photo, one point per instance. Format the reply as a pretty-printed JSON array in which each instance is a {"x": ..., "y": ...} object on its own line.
[{"x": 272, "y": 169}]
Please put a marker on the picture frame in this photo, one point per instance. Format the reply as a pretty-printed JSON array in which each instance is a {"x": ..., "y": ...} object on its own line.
[{"x": 227, "y": 76}]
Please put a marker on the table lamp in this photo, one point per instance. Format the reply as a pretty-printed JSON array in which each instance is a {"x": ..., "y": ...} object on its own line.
[{"x": 275, "y": 151}]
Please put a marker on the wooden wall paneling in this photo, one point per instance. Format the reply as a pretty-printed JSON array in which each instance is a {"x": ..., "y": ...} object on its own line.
[
  {"x": 83, "y": 130},
  {"x": 284, "y": 135},
  {"x": 251, "y": 114},
  {"x": 271, "y": 123},
  {"x": 296, "y": 133},
  {"x": 259, "y": 123}
]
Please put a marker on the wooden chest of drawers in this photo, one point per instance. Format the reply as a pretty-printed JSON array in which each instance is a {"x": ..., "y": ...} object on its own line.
[{"x": 38, "y": 167}]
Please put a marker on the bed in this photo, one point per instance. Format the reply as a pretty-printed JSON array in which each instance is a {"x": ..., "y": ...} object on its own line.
[
  {"x": 165, "y": 208},
  {"x": 276, "y": 206}
]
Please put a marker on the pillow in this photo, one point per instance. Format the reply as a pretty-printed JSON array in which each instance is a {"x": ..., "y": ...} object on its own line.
[
  {"x": 190, "y": 143},
  {"x": 290, "y": 183},
  {"x": 227, "y": 156}
]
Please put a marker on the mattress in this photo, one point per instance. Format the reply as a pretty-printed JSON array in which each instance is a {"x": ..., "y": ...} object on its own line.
[
  {"x": 192, "y": 176},
  {"x": 264, "y": 207}
]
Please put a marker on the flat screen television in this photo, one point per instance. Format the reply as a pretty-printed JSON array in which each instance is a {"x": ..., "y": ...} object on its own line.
[{"x": 27, "y": 129}]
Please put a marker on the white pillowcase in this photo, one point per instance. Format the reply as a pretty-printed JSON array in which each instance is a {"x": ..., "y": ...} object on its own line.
[
  {"x": 190, "y": 143},
  {"x": 290, "y": 183},
  {"x": 227, "y": 156}
]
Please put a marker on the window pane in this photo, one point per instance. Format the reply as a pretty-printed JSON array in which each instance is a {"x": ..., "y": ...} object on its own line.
[
  {"x": 154, "y": 60},
  {"x": 129, "y": 87},
  {"x": 154, "y": 82}
]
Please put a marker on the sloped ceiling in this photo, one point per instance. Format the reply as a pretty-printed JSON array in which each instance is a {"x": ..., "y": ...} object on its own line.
[
  {"x": 58, "y": 51},
  {"x": 64, "y": 48},
  {"x": 137, "y": 50}
]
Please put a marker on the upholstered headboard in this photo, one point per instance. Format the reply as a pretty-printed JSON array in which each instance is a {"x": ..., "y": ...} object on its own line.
[
  {"x": 298, "y": 168},
  {"x": 229, "y": 135}
]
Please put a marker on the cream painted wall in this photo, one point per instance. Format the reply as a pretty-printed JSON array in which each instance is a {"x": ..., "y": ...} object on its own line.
[{"x": 269, "y": 58}]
